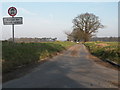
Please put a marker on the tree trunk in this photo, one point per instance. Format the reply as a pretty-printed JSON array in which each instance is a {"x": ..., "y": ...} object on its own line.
[{"x": 86, "y": 37}]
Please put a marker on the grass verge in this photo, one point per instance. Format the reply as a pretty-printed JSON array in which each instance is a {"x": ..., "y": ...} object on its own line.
[
  {"x": 105, "y": 50},
  {"x": 16, "y": 55}
]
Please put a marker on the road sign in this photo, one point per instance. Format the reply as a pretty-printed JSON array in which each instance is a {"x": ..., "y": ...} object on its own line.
[
  {"x": 12, "y": 20},
  {"x": 12, "y": 11}
]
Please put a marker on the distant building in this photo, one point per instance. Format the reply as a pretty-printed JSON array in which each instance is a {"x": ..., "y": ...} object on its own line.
[{"x": 29, "y": 40}]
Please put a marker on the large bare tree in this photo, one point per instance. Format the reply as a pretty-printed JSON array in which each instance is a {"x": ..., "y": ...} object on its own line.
[
  {"x": 75, "y": 35},
  {"x": 86, "y": 25}
]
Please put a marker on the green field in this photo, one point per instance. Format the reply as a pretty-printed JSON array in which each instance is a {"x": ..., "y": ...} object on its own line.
[
  {"x": 19, "y": 54},
  {"x": 105, "y": 50}
]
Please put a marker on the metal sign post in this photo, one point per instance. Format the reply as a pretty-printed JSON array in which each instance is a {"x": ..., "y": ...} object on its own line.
[
  {"x": 13, "y": 29},
  {"x": 12, "y": 11}
]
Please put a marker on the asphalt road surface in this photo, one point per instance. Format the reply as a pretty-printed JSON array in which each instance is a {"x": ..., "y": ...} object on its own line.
[{"x": 72, "y": 69}]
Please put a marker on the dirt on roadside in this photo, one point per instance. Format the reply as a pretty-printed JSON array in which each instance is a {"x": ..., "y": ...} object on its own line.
[
  {"x": 103, "y": 63},
  {"x": 75, "y": 51}
]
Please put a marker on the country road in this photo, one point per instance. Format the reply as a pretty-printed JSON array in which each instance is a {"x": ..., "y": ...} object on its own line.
[{"x": 72, "y": 69}]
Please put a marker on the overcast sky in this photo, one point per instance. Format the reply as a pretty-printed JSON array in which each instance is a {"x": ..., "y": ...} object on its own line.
[{"x": 51, "y": 19}]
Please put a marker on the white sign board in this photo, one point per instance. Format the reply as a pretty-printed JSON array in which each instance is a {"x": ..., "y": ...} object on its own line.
[{"x": 12, "y": 20}]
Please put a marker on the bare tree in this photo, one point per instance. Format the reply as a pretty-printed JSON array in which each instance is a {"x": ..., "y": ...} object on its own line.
[
  {"x": 77, "y": 35},
  {"x": 69, "y": 36},
  {"x": 87, "y": 24}
]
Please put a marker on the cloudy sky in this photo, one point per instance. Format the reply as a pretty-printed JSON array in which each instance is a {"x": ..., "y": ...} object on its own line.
[{"x": 51, "y": 19}]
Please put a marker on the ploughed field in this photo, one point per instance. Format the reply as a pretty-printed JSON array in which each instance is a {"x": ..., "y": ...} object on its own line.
[
  {"x": 105, "y": 50},
  {"x": 16, "y": 55}
]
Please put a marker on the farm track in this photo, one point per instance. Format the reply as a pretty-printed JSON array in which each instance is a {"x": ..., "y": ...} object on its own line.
[{"x": 75, "y": 68}]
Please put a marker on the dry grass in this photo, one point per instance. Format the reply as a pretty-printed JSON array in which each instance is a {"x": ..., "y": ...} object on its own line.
[{"x": 102, "y": 44}]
